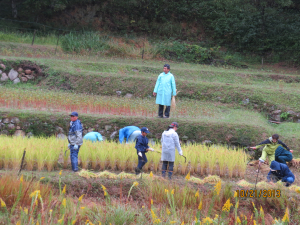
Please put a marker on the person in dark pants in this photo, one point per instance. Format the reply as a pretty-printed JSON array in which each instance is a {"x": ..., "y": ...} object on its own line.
[
  {"x": 142, "y": 147},
  {"x": 164, "y": 88},
  {"x": 75, "y": 139},
  {"x": 282, "y": 155},
  {"x": 169, "y": 141},
  {"x": 280, "y": 171}
]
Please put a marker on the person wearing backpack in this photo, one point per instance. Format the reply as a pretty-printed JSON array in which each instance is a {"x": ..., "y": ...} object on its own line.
[
  {"x": 169, "y": 141},
  {"x": 75, "y": 139}
]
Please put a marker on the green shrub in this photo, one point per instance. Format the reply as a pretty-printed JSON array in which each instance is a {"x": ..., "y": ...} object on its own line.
[
  {"x": 87, "y": 41},
  {"x": 189, "y": 53}
]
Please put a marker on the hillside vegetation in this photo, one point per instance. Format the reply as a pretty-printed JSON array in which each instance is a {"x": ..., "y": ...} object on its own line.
[{"x": 268, "y": 29}]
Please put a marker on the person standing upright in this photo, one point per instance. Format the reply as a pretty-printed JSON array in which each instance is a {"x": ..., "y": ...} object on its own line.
[
  {"x": 169, "y": 141},
  {"x": 164, "y": 88},
  {"x": 75, "y": 139}
]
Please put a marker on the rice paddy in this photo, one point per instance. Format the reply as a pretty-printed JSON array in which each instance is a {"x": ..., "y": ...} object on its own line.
[
  {"x": 49, "y": 154},
  {"x": 53, "y": 101}
]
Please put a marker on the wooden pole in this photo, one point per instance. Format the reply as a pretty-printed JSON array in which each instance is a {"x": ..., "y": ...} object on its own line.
[
  {"x": 143, "y": 49},
  {"x": 57, "y": 42},
  {"x": 22, "y": 162},
  {"x": 33, "y": 37}
]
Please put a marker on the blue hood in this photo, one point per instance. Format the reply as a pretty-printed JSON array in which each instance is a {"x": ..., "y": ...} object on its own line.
[{"x": 275, "y": 165}]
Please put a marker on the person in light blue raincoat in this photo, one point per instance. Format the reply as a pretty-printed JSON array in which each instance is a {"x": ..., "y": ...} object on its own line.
[
  {"x": 164, "y": 88},
  {"x": 130, "y": 133},
  {"x": 93, "y": 137}
]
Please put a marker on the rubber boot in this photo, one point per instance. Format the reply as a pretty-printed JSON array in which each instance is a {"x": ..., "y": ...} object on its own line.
[
  {"x": 74, "y": 167},
  {"x": 163, "y": 173},
  {"x": 170, "y": 175},
  {"x": 137, "y": 171}
]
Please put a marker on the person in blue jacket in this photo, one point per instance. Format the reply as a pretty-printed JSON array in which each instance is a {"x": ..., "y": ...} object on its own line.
[
  {"x": 130, "y": 133},
  {"x": 164, "y": 88},
  {"x": 283, "y": 155},
  {"x": 93, "y": 137},
  {"x": 75, "y": 139},
  {"x": 280, "y": 171},
  {"x": 142, "y": 147}
]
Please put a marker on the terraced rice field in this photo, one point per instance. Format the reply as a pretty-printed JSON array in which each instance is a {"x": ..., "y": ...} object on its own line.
[{"x": 49, "y": 154}]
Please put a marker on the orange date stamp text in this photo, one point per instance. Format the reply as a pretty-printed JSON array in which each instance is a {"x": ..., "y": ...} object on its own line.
[{"x": 264, "y": 193}]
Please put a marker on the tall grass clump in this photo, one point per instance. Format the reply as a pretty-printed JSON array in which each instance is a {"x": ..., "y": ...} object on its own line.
[
  {"x": 87, "y": 42},
  {"x": 40, "y": 152},
  {"x": 26, "y": 37}
]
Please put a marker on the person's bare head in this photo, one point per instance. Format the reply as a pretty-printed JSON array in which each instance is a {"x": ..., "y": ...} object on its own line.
[
  {"x": 275, "y": 137},
  {"x": 166, "y": 68}
]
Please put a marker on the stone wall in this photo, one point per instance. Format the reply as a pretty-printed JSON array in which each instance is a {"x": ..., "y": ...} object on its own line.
[
  {"x": 20, "y": 73},
  {"x": 34, "y": 123}
]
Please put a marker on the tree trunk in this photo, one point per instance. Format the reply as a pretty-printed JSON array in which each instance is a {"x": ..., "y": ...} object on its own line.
[{"x": 14, "y": 9}]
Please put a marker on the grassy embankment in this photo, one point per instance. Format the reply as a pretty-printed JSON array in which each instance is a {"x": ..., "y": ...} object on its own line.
[{"x": 210, "y": 97}]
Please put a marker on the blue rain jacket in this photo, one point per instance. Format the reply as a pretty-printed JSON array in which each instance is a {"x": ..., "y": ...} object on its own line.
[
  {"x": 75, "y": 133},
  {"x": 141, "y": 144},
  {"x": 282, "y": 171},
  {"x": 93, "y": 137},
  {"x": 126, "y": 132},
  {"x": 165, "y": 87},
  {"x": 169, "y": 141}
]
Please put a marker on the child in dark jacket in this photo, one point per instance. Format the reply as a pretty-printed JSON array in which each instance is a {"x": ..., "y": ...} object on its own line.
[
  {"x": 142, "y": 147},
  {"x": 280, "y": 171}
]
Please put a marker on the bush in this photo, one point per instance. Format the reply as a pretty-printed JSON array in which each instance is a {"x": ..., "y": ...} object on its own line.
[
  {"x": 87, "y": 41},
  {"x": 189, "y": 53}
]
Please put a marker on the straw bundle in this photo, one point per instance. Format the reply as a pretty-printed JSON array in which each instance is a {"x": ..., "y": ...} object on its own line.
[
  {"x": 264, "y": 185},
  {"x": 295, "y": 188},
  {"x": 124, "y": 175},
  {"x": 87, "y": 174},
  {"x": 244, "y": 183},
  {"x": 173, "y": 102},
  {"x": 196, "y": 180},
  {"x": 212, "y": 179},
  {"x": 295, "y": 163}
]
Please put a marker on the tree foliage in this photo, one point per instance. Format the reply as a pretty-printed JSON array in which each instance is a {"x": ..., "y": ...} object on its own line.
[{"x": 260, "y": 26}]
